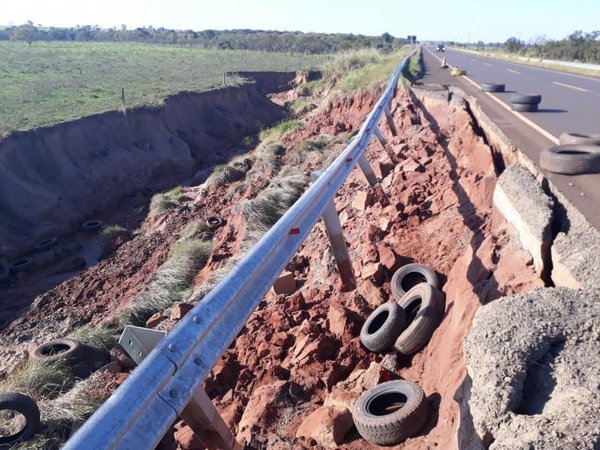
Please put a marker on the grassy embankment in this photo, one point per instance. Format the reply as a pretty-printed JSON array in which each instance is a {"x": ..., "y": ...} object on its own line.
[{"x": 57, "y": 81}]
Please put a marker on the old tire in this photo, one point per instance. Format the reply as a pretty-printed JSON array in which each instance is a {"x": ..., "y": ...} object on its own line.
[
  {"x": 377, "y": 419},
  {"x": 424, "y": 307},
  {"x": 4, "y": 270},
  {"x": 524, "y": 107},
  {"x": 25, "y": 405},
  {"x": 579, "y": 139},
  {"x": 382, "y": 327},
  {"x": 571, "y": 159},
  {"x": 68, "y": 350},
  {"x": 214, "y": 222},
  {"x": 92, "y": 225},
  {"x": 492, "y": 87},
  {"x": 526, "y": 99},
  {"x": 46, "y": 245},
  {"x": 21, "y": 264},
  {"x": 408, "y": 276}
]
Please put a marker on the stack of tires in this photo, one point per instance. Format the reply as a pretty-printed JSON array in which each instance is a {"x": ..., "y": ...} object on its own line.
[
  {"x": 577, "y": 153},
  {"x": 525, "y": 102},
  {"x": 405, "y": 325}
]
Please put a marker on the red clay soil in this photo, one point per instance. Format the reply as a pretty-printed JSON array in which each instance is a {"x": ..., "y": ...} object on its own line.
[{"x": 301, "y": 351}]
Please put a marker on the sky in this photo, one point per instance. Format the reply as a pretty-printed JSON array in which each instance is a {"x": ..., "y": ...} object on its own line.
[{"x": 447, "y": 20}]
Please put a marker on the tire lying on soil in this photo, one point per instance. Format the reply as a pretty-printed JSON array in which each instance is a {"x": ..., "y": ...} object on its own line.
[
  {"x": 92, "y": 225},
  {"x": 492, "y": 87},
  {"x": 23, "y": 404},
  {"x": 214, "y": 222},
  {"x": 46, "y": 245},
  {"x": 526, "y": 99},
  {"x": 408, "y": 276},
  {"x": 21, "y": 264},
  {"x": 391, "y": 412},
  {"x": 383, "y": 326},
  {"x": 579, "y": 139},
  {"x": 4, "y": 269},
  {"x": 424, "y": 307},
  {"x": 68, "y": 350},
  {"x": 571, "y": 159},
  {"x": 524, "y": 107}
]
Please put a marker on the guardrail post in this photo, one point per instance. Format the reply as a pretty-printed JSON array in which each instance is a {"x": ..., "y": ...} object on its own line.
[
  {"x": 367, "y": 170},
  {"x": 199, "y": 414},
  {"x": 386, "y": 146},
  {"x": 390, "y": 120},
  {"x": 372, "y": 179},
  {"x": 203, "y": 418},
  {"x": 337, "y": 240}
]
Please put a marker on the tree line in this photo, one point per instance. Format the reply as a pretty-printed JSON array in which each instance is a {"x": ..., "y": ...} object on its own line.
[
  {"x": 260, "y": 40},
  {"x": 578, "y": 46}
]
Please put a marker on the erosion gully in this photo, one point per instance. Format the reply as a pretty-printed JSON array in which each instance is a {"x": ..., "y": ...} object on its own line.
[{"x": 301, "y": 351}]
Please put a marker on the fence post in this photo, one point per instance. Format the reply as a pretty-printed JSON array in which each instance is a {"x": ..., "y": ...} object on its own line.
[{"x": 337, "y": 240}]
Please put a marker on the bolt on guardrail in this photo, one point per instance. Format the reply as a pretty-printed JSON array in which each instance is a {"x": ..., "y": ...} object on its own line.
[{"x": 167, "y": 383}]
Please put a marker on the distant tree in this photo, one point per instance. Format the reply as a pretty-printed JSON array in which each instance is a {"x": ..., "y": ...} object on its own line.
[
  {"x": 387, "y": 37},
  {"x": 513, "y": 45},
  {"x": 480, "y": 46},
  {"x": 27, "y": 32}
]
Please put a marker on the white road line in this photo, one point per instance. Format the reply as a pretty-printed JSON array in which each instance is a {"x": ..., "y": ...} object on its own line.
[
  {"x": 513, "y": 71},
  {"x": 515, "y": 113},
  {"x": 487, "y": 64},
  {"x": 533, "y": 125},
  {"x": 570, "y": 86}
]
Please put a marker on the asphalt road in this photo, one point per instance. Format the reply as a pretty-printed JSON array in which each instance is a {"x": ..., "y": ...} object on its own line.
[{"x": 570, "y": 103}]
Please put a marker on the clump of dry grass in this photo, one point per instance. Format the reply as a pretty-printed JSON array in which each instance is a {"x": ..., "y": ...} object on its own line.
[
  {"x": 168, "y": 200},
  {"x": 223, "y": 175}
]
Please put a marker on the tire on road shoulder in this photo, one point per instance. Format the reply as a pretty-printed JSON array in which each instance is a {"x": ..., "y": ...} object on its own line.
[
  {"x": 524, "y": 107},
  {"x": 13, "y": 401},
  {"x": 579, "y": 139},
  {"x": 571, "y": 159},
  {"x": 424, "y": 307},
  {"x": 492, "y": 87},
  {"x": 408, "y": 276},
  {"x": 527, "y": 99},
  {"x": 391, "y": 412},
  {"x": 382, "y": 327}
]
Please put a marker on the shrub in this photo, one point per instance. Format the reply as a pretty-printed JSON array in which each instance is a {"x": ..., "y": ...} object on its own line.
[
  {"x": 277, "y": 132},
  {"x": 171, "y": 283},
  {"x": 223, "y": 175},
  {"x": 263, "y": 211},
  {"x": 167, "y": 200},
  {"x": 107, "y": 238}
]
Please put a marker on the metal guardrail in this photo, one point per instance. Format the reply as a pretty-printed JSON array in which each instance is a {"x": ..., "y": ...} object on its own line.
[{"x": 140, "y": 411}]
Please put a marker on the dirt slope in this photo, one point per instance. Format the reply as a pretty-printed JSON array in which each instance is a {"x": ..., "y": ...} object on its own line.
[{"x": 301, "y": 351}]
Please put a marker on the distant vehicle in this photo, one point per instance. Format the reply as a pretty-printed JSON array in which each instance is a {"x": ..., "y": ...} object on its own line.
[{"x": 441, "y": 48}]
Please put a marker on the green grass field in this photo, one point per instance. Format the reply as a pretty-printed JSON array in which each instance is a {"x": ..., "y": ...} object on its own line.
[{"x": 58, "y": 81}]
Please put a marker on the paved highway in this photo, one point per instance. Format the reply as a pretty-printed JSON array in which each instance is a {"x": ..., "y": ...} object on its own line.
[{"x": 570, "y": 103}]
